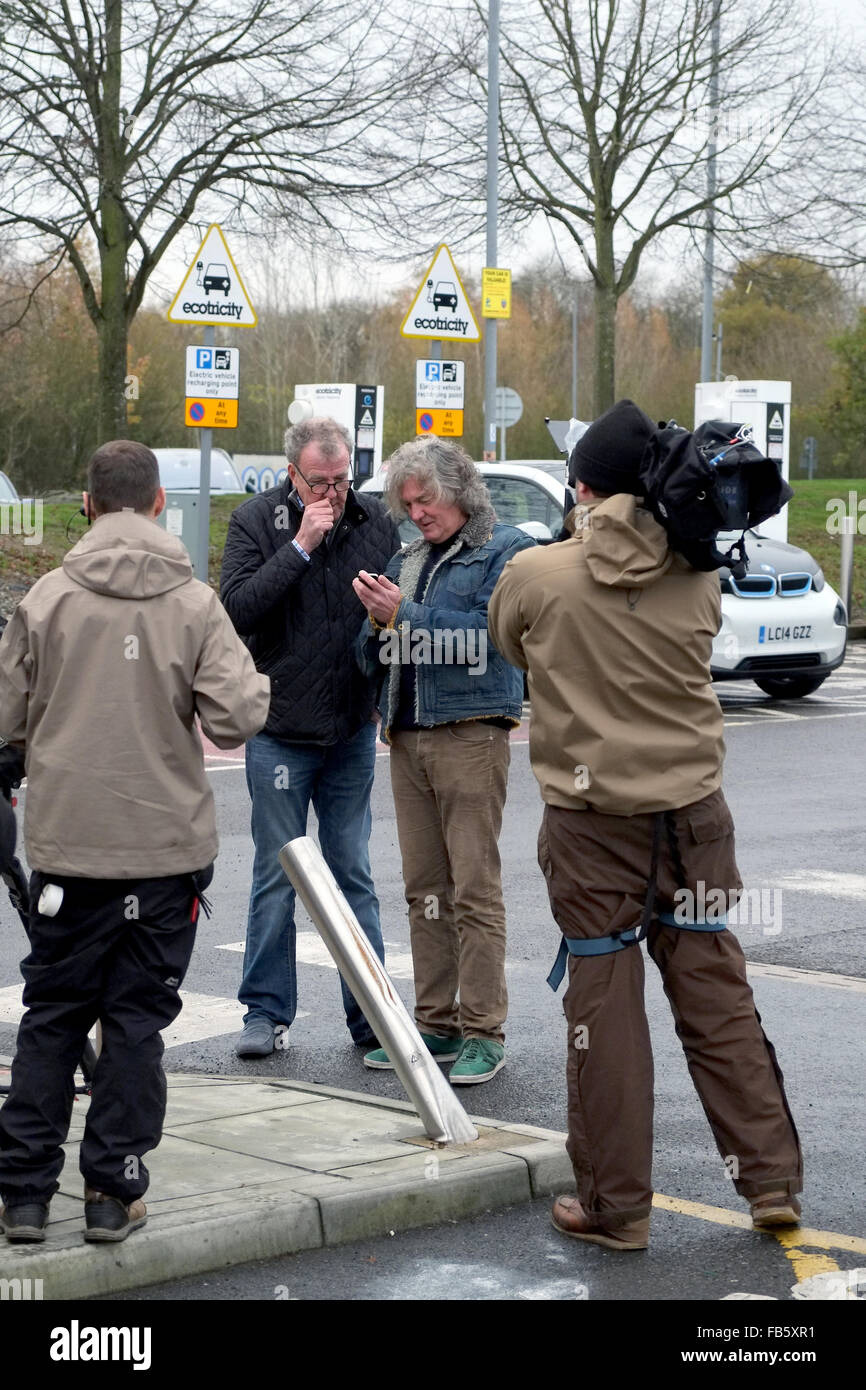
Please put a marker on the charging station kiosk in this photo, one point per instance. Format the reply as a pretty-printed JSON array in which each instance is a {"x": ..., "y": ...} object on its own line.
[
  {"x": 179, "y": 517},
  {"x": 766, "y": 406},
  {"x": 361, "y": 409}
]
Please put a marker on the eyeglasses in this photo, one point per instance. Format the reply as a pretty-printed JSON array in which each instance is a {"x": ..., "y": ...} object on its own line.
[{"x": 321, "y": 489}]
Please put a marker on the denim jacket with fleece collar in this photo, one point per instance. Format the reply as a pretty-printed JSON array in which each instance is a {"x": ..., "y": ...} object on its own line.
[{"x": 449, "y": 619}]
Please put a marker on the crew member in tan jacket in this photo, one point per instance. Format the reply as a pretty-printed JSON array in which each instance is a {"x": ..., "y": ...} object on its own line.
[
  {"x": 626, "y": 740},
  {"x": 104, "y": 669}
]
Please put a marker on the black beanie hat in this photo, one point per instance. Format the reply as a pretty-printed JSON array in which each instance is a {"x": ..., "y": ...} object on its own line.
[{"x": 607, "y": 458}]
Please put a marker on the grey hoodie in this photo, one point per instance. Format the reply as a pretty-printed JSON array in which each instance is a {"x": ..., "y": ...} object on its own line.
[{"x": 104, "y": 667}]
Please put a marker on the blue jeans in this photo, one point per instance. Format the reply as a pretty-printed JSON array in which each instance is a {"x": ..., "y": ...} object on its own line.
[{"x": 283, "y": 778}]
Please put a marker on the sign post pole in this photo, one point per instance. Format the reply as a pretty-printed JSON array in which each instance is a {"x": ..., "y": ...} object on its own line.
[{"x": 205, "y": 441}]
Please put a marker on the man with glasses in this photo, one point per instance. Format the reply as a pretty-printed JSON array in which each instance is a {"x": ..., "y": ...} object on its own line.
[{"x": 290, "y": 558}]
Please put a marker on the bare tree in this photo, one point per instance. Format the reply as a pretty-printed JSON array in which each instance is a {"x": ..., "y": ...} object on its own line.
[
  {"x": 121, "y": 120},
  {"x": 606, "y": 129}
]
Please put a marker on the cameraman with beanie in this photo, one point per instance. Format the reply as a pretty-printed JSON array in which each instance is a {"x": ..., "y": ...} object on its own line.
[
  {"x": 615, "y": 631},
  {"x": 105, "y": 667}
]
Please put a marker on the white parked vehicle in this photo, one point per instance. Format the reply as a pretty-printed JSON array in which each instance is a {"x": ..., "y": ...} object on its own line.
[
  {"x": 8, "y": 491},
  {"x": 531, "y": 494},
  {"x": 179, "y": 471},
  {"x": 783, "y": 625}
]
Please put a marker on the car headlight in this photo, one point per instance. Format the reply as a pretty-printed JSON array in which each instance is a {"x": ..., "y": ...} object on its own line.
[{"x": 818, "y": 580}]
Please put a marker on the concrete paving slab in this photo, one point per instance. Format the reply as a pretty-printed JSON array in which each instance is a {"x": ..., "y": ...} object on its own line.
[
  {"x": 248, "y": 1169},
  {"x": 188, "y": 1105},
  {"x": 185, "y": 1168},
  {"x": 79, "y": 1115},
  {"x": 318, "y": 1136},
  {"x": 66, "y": 1212}
]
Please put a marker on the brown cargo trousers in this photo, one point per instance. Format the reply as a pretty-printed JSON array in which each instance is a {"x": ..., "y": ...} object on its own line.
[
  {"x": 449, "y": 787},
  {"x": 597, "y": 867}
]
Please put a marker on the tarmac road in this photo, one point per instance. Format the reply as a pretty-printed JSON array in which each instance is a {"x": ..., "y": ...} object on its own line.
[{"x": 793, "y": 780}]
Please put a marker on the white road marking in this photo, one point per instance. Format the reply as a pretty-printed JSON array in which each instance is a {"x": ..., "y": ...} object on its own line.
[
  {"x": 311, "y": 950},
  {"x": 203, "y": 1015},
  {"x": 833, "y": 885},
  {"x": 215, "y": 764},
  {"x": 844, "y": 714},
  {"x": 806, "y": 977}
]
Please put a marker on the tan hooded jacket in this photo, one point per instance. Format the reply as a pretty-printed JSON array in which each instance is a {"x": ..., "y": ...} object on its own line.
[
  {"x": 615, "y": 631},
  {"x": 104, "y": 667}
]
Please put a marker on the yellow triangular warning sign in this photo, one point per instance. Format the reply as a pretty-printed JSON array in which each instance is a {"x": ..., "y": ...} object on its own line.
[
  {"x": 212, "y": 291},
  {"x": 440, "y": 309}
]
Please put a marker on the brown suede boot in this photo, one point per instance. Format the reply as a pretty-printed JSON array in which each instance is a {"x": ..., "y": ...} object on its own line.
[
  {"x": 774, "y": 1209},
  {"x": 569, "y": 1217}
]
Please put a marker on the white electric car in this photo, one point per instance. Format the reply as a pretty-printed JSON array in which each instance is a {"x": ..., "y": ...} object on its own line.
[
  {"x": 179, "y": 471},
  {"x": 783, "y": 626}
]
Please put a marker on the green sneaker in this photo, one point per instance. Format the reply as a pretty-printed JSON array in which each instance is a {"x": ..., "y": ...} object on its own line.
[
  {"x": 480, "y": 1058},
  {"x": 443, "y": 1049}
]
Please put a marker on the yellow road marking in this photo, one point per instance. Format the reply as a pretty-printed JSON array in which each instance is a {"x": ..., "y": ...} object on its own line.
[
  {"x": 804, "y": 1263},
  {"x": 801, "y": 1235},
  {"x": 719, "y": 1215}
]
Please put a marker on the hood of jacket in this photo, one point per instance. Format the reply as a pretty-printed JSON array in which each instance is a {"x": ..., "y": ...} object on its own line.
[
  {"x": 127, "y": 555},
  {"x": 623, "y": 544},
  {"x": 616, "y": 632}
]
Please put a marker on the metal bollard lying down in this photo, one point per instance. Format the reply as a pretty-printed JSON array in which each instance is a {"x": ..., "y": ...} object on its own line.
[{"x": 440, "y": 1111}]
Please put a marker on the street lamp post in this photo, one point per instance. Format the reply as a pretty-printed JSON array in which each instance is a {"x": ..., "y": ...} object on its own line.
[
  {"x": 492, "y": 214},
  {"x": 575, "y": 309},
  {"x": 707, "y": 321}
]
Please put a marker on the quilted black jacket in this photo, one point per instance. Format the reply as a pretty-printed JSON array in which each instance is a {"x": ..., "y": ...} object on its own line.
[{"x": 300, "y": 617}]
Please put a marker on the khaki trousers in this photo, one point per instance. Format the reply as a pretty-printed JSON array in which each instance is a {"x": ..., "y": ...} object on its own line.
[
  {"x": 596, "y": 868},
  {"x": 449, "y": 787}
]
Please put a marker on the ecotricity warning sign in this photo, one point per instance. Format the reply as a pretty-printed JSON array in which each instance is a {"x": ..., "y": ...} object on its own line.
[
  {"x": 212, "y": 291},
  {"x": 440, "y": 309}
]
